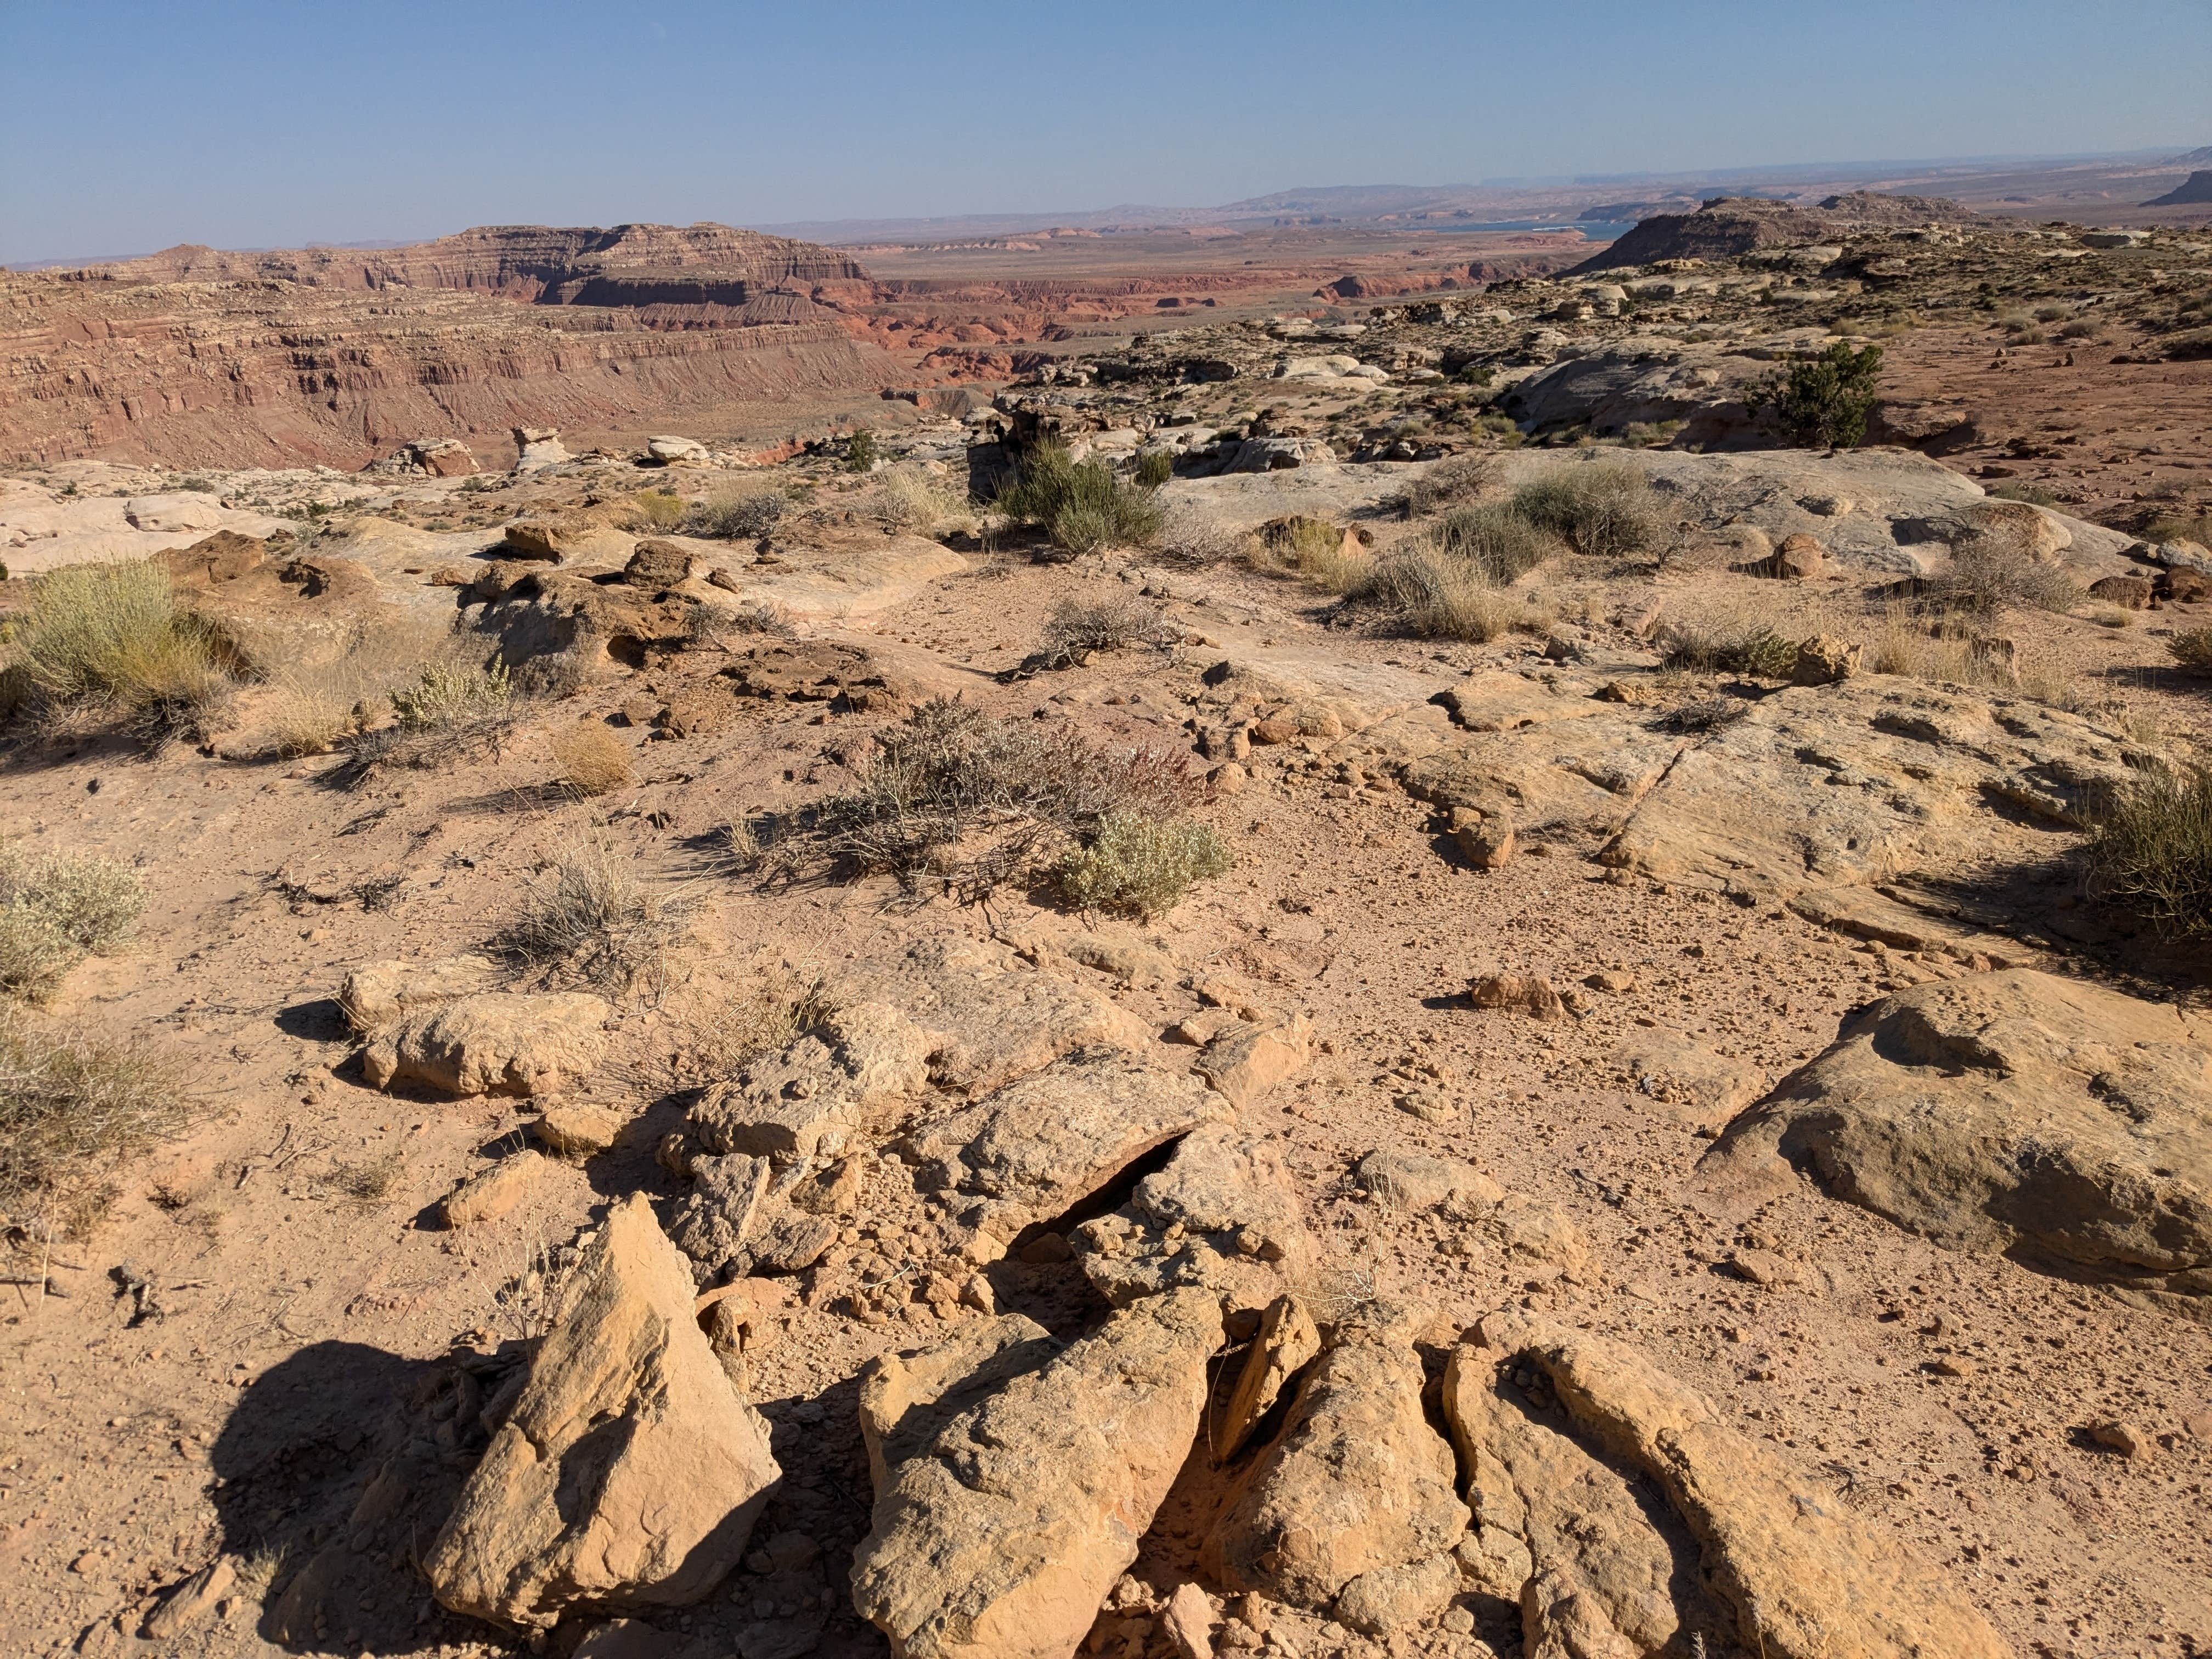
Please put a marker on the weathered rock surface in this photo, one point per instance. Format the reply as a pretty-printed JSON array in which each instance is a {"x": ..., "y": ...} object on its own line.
[
  {"x": 629, "y": 1472},
  {"x": 862, "y": 1060},
  {"x": 492, "y": 1043},
  {"x": 1804, "y": 1575},
  {"x": 1034, "y": 1147},
  {"x": 378, "y": 993},
  {"x": 490, "y": 1193},
  {"x": 1358, "y": 1482},
  {"x": 1687, "y": 1081},
  {"x": 2009, "y": 1111},
  {"x": 1416, "y": 1181},
  {"x": 1247, "y": 1060},
  {"x": 1224, "y": 1213},
  {"x": 999, "y": 1537},
  {"x": 1285, "y": 1344}
]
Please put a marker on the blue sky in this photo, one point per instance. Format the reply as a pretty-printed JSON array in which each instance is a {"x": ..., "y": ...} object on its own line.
[{"x": 128, "y": 127}]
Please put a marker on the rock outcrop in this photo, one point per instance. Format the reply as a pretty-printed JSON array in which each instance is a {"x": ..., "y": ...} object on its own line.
[
  {"x": 998, "y": 1536},
  {"x": 2009, "y": 1111},
  {"x": 631, "y": 1470},
  {"x": 497, "y": 1042}
]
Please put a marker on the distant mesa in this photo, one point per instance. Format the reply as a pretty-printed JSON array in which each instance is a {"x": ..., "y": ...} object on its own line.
[
  {"x": 1729, "y": 226},
  {"x": 2200, "y": 157},
  {"x": 2195, "y": 189}
]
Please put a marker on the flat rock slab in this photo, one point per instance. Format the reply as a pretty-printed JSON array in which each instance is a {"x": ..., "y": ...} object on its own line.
[
  {"x": 999, "y": 1537},
  {"x": 378, "y": 993},
  {"x": 1037, "y": 1146},
  {"x": 493, "y": 1042},
  {"x": 630, "y": 1471},
  {"x": 862, "y": 580},
  {"x": 2009, "y": 1111}
]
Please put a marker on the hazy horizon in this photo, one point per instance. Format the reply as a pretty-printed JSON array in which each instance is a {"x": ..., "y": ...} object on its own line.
[{"x": 131, "y": 127}]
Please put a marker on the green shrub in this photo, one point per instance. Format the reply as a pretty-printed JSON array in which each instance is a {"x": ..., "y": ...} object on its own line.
[
  {"x": 1500, "y": 542},
  {"x": 2151, "y": 854},
  {"x": 111, "y": 638},
  {"x": 1082, "y": 505},
  {"x": 1719, "y": 640},
  {"x": 1602, "y": 508},
  {"x": 451, "y": 696},
  {"x": 1433, "y": 597},
  {"x": 1141, "y": 867},
  {"x": 1823, "y": 402},
  {"x": 1154, "y": 468},
  {"x": 2192, "y": 648},
  {"x": 861, "y": 452},
  {"x": 656, "y": 509}
]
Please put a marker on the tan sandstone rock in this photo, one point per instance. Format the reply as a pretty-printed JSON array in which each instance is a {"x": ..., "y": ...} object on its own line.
[
  {"x": 1357, "y": 1482},
  {"x": 863, "y": 1059},
  {"x": 999, "y": 1537},
  {"x": 2009, "y": 1111},
  {"x": 1247, "y": 1060},
  {"x": 378, "y": 993},
  {"x": 1285, "y": 1344},
  {"x": 629, "y": 1472},
  {"x": 492, "y": 1043},
  {"x": 490, "y": 1193}
]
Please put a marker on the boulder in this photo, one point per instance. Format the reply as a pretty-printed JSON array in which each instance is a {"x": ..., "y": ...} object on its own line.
[
  {"x": 2129, "y": 592},
  {"x": 2012, "y": 1111},
  {"x": 1484, "y": 836},
  {"x": 565, "y": 538},
  {"x": 1805, "y": 1575},
  {"x": 492, "y": 1043},
  {"x": 1823, "y": 660},
  {"x": 1246, "y": 1060},
  {"x": 1521, "y": 993},
  {"x": 1223, "y": 1213},
  {"x": 860, "y": 1062},
  {"x": 1034, "y": 1147},
  {"x": 1188, "y": 1621},
  {"x": 376, "y": 994},
  {"x": 849, "y": 677},
  {"x": 907, "y": 1400},
  {"x": 658, "y": 561},
  {"x": 666, "y": 450},
  {"x": 1386, "y": 1601},
  {"x": 1416, "y": 1180},
  {"x": 1357, "y": 1483},
  {"x": 490, "y": 1193},
  {"x": 716, "y": 1219},
  {"x": 631, "y": 1470},
  {"x": 999, "y": 1534},
  {"x": 537, "y": 447},
  {"x": 577, "y": 1129},
  {"x": 192, "y": 1602}
]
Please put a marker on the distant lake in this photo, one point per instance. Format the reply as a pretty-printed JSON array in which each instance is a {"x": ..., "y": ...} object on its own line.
[{"x": 1598, "y": 230}]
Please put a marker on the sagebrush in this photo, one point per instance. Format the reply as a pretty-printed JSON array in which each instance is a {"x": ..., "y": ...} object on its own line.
[
  {"x": 58, "y": 909},
  {"x": 1604, "y": 509},
  {"x": 587, "y": 918},
  {"x": 1082, "y": 505},
  {"x": 1141, "y": 867},
  {"x": 110, "y": 643},
  {"x": 2152, "y": 851},
  {"x": 75, "y": 1109}
]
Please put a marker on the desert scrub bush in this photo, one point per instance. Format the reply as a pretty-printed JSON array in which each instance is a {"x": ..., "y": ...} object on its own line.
[
  {"x": 1433, "y": 597},
  {"x": 1822, "y": 401},
  {"x": 1141, "y": 867},
  {"x": 1987, "y": 574},
  {"x": 956, "y": 799},
  {"x": 1455, "y": 481},
  {"x": 1313, "y": 549},
  {"x": 1082, "y": 505},
  {"x": 110, "y": 642},
  {"x": 310, "y": 707},
  {"x": 2192, "y": 648},
  {"x": 448, "y": 696},
  {"x": 1603, "y": 509},
  {"x": 1725, "y": 640},
  {"x": 73, "y": 1109},
  {"x": 57, "y": 910},
  {"x": 1500, "y": 542},
  {"x": 654, "y": 510},
  {"x": 2152, "y": 851},
  {"x": 454, "y": 711},
  {"x": 593, "y": 761},
  {"x": 2180, "y": 527},
  {"x": 861, "y": 452},
  {"x": 743, "y": 516},
  {"x": 1188, "y": 536},
  {"x": 1154, "y": 468},
  {"x": 586, "y": 919},
  {"x": 1905, "y": 647},
  {"x": 909, "y": 497},
  {"x": 1079, "y": 627}
]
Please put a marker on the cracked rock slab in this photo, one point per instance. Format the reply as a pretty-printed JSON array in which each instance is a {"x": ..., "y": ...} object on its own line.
[
  {"x": 494, "y": 1043},
  {"x": 998, "y": 1537},
  {"x": 631, "y": 1470}
]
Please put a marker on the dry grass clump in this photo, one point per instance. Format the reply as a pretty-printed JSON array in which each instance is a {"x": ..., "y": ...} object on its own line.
[
  {"x": 310, "y": 708},
  {"x": 1431, "y": 596},
  {"x": 1604, "y": 509},
  {"x": 1141, "y": 867},
  {"x": 1079, "y": 627},
  {"x": 2181, "y": 527},
  {"x": 744, "y": 515},
  {"x": 1986, "y": 574},
  {"x": 108, "y": 642},
  {"x": 960, "y": 800},
  {"x": 2192, "y": 648},
  {"x": 592, "y": 759},
  {"x": 1501, "y": 542},
  {"x": 1902, "y": 648},
  {"x": 654, "y": 512},
  {"x": 1312, "y": 549},
  {"x": 1188, "y": 536},
  {"x": 72, "y": 1111},
  {"x": 1724, "y": 639},
  {"x": 2151, "y": 854},
  {"x": 1082, "y": 505},
  {"x": 586, "y": 919},
  {"x": 57, "y": 910},
  {"x": 910, "y": 497},
  {"x": 453, "y": 711},
  {"x": 1455, "y": 481},
  {"x": 765, "y": 1019}
]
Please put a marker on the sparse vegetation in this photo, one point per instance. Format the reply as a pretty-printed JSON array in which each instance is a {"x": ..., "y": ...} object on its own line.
[
  {"x": 656, "y": 510},
  {"x": 1141, "y": 867},
  {"x": 962, "y": 800},
  {"x": 1987, "y": 573},
  {"x": 57, "y": 910},
  {"x": 744, "y": 516},
  {"x": 1904, "y": 646},
  {"x": 586, "y": 919},
  {"x": 109, "y": 642},
  {"x": 861, "y": 452},
  {"x": 1435, "y": 596},
  {"x": 1720, "y": 639},
  {"x": 910, "y": 497},
  {"x": 1453, "y": 481},
  {"x": 454, "y": 710},
  {"x": 310, "y": 707},
  {"x": 72, "y": 1111},
  {"x": 1603, "y": 509},
  {"x": 1082, "y": 505},
  {"x": 1154, "y": 468},
  {"x": 2180, "y": 527},
  {"x": 2192, "y": 648},
  {"x": 1503, "y": 543},
  {"x": 2152, "y": 853},
  {"x": 2018, "y": 490},
  {"x": 592, "y": 759},
  {"x": 1079, "y": 627},
  {"x": 1823, "y": 402},
  {"x": 1313, "y": 549}
]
